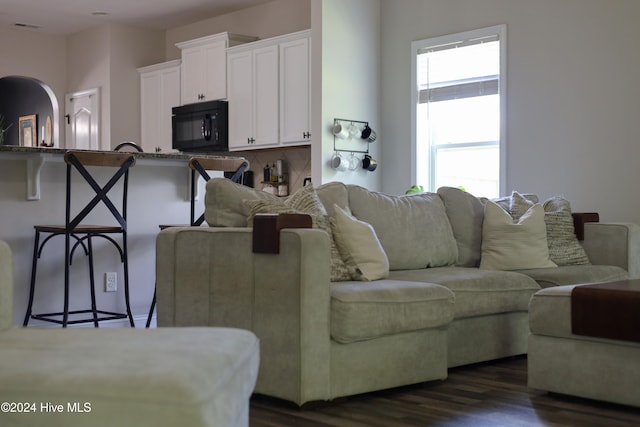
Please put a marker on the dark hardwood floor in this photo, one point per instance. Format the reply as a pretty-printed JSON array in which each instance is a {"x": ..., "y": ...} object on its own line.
[{"x": 490, "y": 394}]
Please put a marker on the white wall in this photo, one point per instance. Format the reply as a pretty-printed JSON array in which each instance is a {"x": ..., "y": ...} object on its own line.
[
  {"x": 106, "y": 57},
  {"x": 157, "y": 195},
  {"x": 346, "y": 83},
  {"x": 264, "y": 21},
  {"x": 573, "y": 101},
  {"x": 130, "y": 48},
  {"x": 42, "y": 57}
]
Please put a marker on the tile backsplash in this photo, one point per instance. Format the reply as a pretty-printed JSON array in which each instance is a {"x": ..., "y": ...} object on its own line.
[{"x": 297, "y": 162}]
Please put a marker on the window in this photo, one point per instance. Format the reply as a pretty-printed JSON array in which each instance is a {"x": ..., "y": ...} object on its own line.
[{"x": 458, "y": 111}]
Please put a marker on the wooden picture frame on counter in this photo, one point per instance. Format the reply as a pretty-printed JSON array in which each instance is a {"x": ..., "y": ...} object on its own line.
[{"x": 28, "y": 132}]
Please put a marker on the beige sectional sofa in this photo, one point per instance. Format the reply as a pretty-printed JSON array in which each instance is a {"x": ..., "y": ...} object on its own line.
[{"x": 325, "y": 333}]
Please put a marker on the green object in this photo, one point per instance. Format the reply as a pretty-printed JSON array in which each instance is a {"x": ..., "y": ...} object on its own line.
[{"x": 415, "y": 189}]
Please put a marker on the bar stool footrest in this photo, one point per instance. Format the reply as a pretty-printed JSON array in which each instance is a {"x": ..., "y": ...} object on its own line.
[{"x": 104, "y": 315}]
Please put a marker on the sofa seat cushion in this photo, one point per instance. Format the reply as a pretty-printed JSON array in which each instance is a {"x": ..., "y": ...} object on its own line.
[
  {"x": 575, "y": 274},
  {"x": 129, "y": 377},
  {"x": 366, "y": 310},
  {"x": 478, "y": 292}
]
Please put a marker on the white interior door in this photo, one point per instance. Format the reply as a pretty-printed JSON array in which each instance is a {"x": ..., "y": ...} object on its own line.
[{"x": 83, "y": 120}]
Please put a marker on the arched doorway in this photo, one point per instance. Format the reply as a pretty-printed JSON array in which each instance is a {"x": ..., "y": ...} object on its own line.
[{"x": 23, "y": 96}]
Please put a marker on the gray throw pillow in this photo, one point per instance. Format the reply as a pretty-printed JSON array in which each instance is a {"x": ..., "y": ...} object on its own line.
[{"x": 564, "y": 247}]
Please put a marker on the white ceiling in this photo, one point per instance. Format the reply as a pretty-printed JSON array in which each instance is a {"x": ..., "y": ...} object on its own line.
[{"x": 71, "y": 16}]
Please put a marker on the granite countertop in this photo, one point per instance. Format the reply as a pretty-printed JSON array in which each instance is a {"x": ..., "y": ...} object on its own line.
[
  {"x": 37, "y": 157},
  {"x": 161, "y": 156}
]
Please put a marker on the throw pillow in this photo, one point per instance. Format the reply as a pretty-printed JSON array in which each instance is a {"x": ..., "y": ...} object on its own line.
[
  {"x": 519, "y": 205},
  {"x": 306, "y": 201},
  {"x": 359, "y": 246},
  {"x": 514, "y": 246},
  {"x": 505, "y": 201},
  {"x": 564, "y": 247}
]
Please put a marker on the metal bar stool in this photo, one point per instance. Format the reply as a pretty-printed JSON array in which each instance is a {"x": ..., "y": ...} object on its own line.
[
  {"x": 78, "y": 235},
  {"x": 234, "y": 167}
]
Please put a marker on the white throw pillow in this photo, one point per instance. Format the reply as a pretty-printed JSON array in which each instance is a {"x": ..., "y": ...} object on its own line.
[
  {"x": 359, "y": 246},
  {"x": 514, "y": 246}
]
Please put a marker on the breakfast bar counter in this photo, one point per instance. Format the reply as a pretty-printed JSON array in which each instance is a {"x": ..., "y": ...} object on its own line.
[
  {"x": 36, "y": 158},
  {"x": 159, "y": 193}
]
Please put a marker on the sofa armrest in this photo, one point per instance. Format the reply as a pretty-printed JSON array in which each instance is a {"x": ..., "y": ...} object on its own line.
[
  {"x": 209, "y": 276},
  {"x": 614, "y": 244}
]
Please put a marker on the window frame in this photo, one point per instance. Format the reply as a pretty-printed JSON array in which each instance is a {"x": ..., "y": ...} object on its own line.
[{"x": 425, "y": 152}]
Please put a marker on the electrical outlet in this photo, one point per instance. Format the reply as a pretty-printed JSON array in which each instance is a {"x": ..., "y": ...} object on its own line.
[{"x": 111, "y": 281}]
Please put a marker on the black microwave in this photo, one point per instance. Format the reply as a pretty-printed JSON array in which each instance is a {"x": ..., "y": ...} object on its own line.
[{"x": 203, "y": 126}]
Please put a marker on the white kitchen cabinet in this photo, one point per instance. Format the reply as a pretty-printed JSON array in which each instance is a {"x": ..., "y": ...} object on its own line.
[
  {"x": 295, "y": 92},
  {"x": 159, "y": 93},
  {"x": 253, "y": 98},
  {"x": 269, "y": 93},
  {"x": 204, "y": 69}
]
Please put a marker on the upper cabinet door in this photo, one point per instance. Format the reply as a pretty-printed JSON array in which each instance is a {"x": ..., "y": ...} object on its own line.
[
  {"x": 295, "y": 92},
  {"x": 204, "y": 73},
  {"x": 204, "y": 66},
  {"x": 159, "y": 93},
  {"x": 265, "y": 96},
  {"x": 193, "y": 75},
  {"x": 253, "y": 98},
  {"x": 240, "y": 93},
  {"x": 215, "y": 79}
]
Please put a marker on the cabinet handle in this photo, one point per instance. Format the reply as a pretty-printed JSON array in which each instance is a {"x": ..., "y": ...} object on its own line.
[
  {"x": 250, "y": 140},
  {"x": 306, "y": 135}
]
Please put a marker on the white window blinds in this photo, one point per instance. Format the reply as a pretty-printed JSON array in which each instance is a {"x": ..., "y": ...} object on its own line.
[{"x": 462, "y": 69}]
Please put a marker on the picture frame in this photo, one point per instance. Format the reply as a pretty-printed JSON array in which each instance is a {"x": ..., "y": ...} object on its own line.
[{"x": 28, "y": 131}]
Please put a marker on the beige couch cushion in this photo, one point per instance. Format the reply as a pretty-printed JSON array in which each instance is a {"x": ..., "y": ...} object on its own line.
[
  {"x": 333, "y": 193},
  {"x": 465, "y": 212},
  {"x": 161, "y": 377},
  {"x": 478, "y": 292},
  {"x": 574, "y": 274},
  {"x": 414, "y": 229},
  {"x": 366, "y": 310},
  {"x": 511, "y": 246},
  {"x": 550, "y": 312},
  {"x": 359, "y": 247},
  {"x": 224, "y": 202}
]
